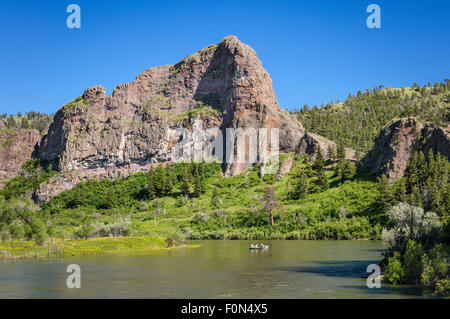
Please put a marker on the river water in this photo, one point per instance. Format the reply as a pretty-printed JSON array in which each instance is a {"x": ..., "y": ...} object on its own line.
[{"x": 216, "y": 269}]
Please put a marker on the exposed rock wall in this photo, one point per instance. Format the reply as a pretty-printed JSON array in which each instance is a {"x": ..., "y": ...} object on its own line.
[
  {"x": 310, "y": 143},
  {"x": 223, "y": 85},
  {"x": 398, "y": 141},
  {"x": 16, "y": 147}
]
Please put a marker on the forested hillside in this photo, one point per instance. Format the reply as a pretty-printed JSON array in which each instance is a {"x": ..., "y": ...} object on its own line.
[
  {"x": 358, "y": 120},
  {"x": 29, "y": 120}
]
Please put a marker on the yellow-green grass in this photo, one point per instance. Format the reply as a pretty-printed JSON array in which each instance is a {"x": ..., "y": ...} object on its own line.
[{"x": 95, "y": 246}]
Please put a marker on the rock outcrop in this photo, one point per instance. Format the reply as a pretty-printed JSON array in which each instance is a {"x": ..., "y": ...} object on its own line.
[
  {"x": 166, "y": 113},
  {"x": 398, "y": 141},
  {"x": 151, "y": 120},
  {"x": 223, "y": 86},
  {"x": 310, "y": 143},
  {"x": 16, "y": 147}
]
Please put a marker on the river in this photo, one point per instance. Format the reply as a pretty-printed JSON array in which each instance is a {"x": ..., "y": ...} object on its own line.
[{"x": 216, "y": 269}]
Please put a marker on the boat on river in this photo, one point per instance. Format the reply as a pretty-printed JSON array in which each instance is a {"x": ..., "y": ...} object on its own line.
[{"x": 256, "y": 247}]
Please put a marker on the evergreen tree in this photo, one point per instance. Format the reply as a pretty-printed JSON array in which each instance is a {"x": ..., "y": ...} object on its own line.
[
  {"x": 185, "y": 186},
  {"x": 319, "y": 163},
  {"x": 415, "y": 197},
  {"x": 322, "y": 181},
  {"x": 24, "y": 123},
  {"x": 331, "y": 154},
  {"x": 215, "y": 199},
  {"x": 160, "y": 181},
  {"x": 402, "y": 193},
  {"x": 171, "y": 179},
  {"x": 199, "y": 181},
  {"x": 111, "y": 197},
  {"x": 385, "y": 196},
  {"x": 348, "y": 170},
  {"x": 341, "y": 152},
  {"x": 151, "y": 183},
  {"x": 301, "y": 186}
]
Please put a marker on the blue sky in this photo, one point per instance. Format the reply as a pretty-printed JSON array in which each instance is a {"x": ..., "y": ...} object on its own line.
[{"x": 315, "y": 51}]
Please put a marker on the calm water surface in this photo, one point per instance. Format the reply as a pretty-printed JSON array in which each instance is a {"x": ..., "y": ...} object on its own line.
[{"x": 217, "y": 269}]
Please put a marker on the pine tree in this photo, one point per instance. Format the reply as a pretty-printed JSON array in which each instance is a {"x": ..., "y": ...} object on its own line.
[
  {"x": 402, "y": 193},
  {"x": 331, "y": 154},
  {"x": 111, "y": 197},
  {"x": 199, "y": 181},
  {"x": 432, "y": 166},
  {"x": 185, "y": 186},
  {"x": 151, "y": 183},
  {"x": 322, "y": 181},
  {"x": 412, "y": 174},
  {"x": 385, "y": 196},
  {"x": 24, "y": 123},
  {"x": 319, "y": 163},
  {"x": 301, "y": 186},
  {"x": 348, "y": 170},
  {"x": 171, "y": 178},
  {"x": 341, "y": 152},
  {"x": 415, "y": 197},
  {"x": 160, "y": 181}
]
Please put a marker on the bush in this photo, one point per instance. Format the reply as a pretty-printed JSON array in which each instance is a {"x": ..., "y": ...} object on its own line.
[
  {"x": 411, "y": 223},
  {"x": 85, "y": 231},
  {"x": 121, "y": 228},
  {"x": 175, "y": 238},
  {"x": 435, "y": 271},
  {"x": 394, "y": 272}
]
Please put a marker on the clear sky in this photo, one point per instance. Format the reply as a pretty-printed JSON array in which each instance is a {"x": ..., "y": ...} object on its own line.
[{"x": 315, "y": 51}]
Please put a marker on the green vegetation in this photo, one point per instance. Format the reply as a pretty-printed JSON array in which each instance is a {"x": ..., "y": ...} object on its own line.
[
  {"x": 77, "y": 104},
  {"x": 70, "y": 247},
  {"x": 34, "y": 173},
  {"x": 201, "y": 110},
  {"x": 415, "y": 256},
  {"x": 29, "y": 120},
  {"x": 194, "y": 201},
  {"x": 372, "y": 110},
  {"x": 418, "y": 217}
]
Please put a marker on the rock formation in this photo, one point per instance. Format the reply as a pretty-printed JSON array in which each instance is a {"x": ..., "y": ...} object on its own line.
[
  {"x": 16, "y": 147},
  {"x": 153, "y": 120},
  {"x": 223, "y": 86},
  {"x": 398, "y": 141},
  {"x": 310, "y": 143}
]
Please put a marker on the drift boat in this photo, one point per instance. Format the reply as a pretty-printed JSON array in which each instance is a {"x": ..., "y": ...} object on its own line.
[{"x": 263, "y": 247}]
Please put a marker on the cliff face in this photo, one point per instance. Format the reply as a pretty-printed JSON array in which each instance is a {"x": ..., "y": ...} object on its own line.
[
  {"x": 222, "y": 86},
  {"x": 310, "y": 143},
  {"x": 16, "y": 147},
  {"x": 398, "y": 141},
  {"x": 150, "y": 120}
]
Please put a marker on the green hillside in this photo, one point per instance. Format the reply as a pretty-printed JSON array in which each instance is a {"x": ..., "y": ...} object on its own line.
[{"x": 357, "y": 121}]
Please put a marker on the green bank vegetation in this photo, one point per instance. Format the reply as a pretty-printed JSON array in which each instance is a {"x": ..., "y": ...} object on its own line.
[{"x": 71, "y": 247}]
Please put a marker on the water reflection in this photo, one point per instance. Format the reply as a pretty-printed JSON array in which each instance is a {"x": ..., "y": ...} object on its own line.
[{"x": 217, "y": 269}]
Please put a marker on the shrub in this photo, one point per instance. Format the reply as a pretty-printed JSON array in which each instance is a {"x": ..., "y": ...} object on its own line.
[
  {"x": 411, "y": 223},
  {"x": 394, "y": 272},
  {"x": 120, "y": 228}
]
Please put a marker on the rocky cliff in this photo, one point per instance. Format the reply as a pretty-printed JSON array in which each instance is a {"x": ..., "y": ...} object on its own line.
[
  {"x": 310, "y": 143},
  {"x": 16, "y": 147},
  {"x": 398, "y": 141},
  {"x": 153, "y": 120},
  {"x": 223, "y": 86}
]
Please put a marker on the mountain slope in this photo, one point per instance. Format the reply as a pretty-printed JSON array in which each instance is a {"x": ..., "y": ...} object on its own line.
[
  {"x": 222, "y": 86},
  {"x": 357, "y": 121}
]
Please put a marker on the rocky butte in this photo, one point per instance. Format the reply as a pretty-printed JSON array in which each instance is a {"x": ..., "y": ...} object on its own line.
[
  {"x": 221, "y": 86},
  {"x": 398, "y": 141}
]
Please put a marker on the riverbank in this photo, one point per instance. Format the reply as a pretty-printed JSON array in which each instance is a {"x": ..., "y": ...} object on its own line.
[{"x": 95, "y": 246}]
